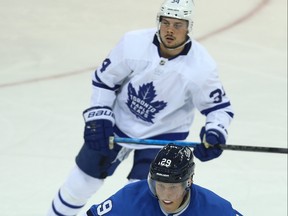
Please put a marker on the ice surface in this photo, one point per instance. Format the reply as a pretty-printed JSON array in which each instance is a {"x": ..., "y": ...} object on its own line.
[{"x": 48, "y": 50}]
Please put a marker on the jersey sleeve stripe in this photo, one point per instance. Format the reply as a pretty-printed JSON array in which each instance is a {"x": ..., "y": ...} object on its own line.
[{"x": 218, "y": 107}]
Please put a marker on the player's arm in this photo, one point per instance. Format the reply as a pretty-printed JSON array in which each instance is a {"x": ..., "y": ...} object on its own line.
[
  {"x": 99, "y": 118},
  {"x": 213, "y": 102},
  {"x": 104, "y": 208},
  {"x": 117, "y": 204}
]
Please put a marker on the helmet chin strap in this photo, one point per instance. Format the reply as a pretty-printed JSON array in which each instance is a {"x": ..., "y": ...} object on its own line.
[{"x": 173, "y": 48}]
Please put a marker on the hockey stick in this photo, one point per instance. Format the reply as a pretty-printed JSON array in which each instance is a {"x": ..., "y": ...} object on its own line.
[{"x": 193, "y": 144}]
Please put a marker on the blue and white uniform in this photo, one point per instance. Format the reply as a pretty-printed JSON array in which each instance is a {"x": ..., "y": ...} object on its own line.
[
  {"x": 137, "y": 199},
  {"x": 153, "y": 96}
]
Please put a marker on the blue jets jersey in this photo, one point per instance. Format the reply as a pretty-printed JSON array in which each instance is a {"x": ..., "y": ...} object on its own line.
[
  {"x": 137, "y": 199},
  {"x": 155, "y": 97}
]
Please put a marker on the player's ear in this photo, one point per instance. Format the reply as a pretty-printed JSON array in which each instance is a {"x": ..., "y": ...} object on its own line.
[{"x": 190, "y": 181}]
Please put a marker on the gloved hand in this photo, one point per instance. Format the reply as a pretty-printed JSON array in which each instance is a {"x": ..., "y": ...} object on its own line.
[
  {"x": 99, "y": 122},
  {"x": 207, "y": 150}
]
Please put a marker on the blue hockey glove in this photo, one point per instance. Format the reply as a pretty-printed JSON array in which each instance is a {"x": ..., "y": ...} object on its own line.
[
  {"x": 207, "y": 150},
  {"x": 99, "y": 122}
]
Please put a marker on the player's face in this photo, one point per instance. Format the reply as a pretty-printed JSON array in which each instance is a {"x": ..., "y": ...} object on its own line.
[
  {"x": 173, "y": 32},
  {"x": 170, "y": 195}
]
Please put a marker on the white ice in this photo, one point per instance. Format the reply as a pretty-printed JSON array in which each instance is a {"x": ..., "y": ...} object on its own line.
[{"x": 48, "y": 50}]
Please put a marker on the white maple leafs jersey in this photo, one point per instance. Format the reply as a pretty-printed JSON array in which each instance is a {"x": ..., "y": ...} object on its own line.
[{"x": 155, "y": 97}]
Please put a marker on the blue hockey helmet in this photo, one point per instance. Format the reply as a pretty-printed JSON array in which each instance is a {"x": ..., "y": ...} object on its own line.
[{"x": 173, "y": 164}]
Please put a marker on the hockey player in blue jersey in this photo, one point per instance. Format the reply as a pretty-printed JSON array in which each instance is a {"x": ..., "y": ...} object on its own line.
[
  {"x": 168, "y": 191},
  {"x": 148, "y": 87}
]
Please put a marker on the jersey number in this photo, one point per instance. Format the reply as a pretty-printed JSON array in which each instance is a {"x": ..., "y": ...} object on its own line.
[
  {"x": 105, "y": 64},
  {"x": 104, "y": 208},
  {"x": 217, "y": 95}
]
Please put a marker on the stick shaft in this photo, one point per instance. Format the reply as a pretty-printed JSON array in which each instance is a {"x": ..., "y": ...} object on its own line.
[
  {"x": 193, "y": 144},
  {"x": 255, "y": 149}
]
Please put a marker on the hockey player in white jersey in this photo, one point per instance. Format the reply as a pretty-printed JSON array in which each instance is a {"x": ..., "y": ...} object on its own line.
[
  {"x": 149, "y": 86},
  {"x": 169, "y": 190}
]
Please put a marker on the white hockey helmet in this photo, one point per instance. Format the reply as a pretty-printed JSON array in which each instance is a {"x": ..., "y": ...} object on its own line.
[{"x": 179, "y": 9}]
